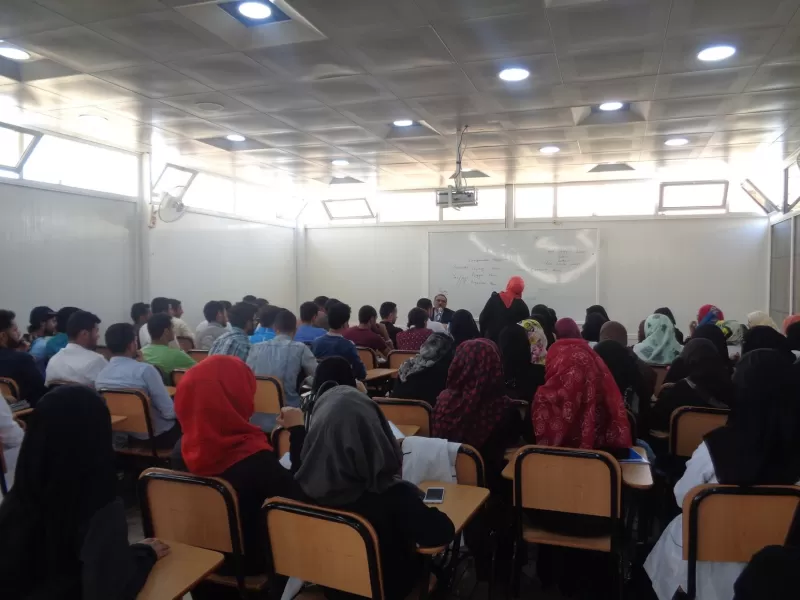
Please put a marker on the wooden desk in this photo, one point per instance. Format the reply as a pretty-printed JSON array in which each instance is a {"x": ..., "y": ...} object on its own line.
[
  {"x": 408, "y": 430},
  {"x": 22, "y": 412},
  {"x": 461, "y": 502},
  {"x": 634, "y": 475},
  {"x": 176, "y": 574},
  {"x": 375, "y": 374},
  {"x": 118, "y": 419},
  {"x": 170, "y": 390}
]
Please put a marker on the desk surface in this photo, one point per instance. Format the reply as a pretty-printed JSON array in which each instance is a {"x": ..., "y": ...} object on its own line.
[
  {"x": 170, "y": 390},
  {"x": 176, "y": 574},
  {"x": 634, "y": 475},
  {"x": 408, "y": 430},
  {"x": 22, "y": 412},
  {"x": 118, "y": 419},
  {"x": 373, "y": 374},
  {"x": 461, "y": 502}
]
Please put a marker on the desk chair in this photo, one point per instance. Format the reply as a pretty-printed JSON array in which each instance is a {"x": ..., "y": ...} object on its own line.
[
  {"x": 9, "y": 389},
  {"x": 470, "y": 469},
  {"x": 689, "y": 424},
  {"x": 177, "y": 375},
  {"x": 135, "y": 405},
  {"x": 582, "y": 482},
  {"x": 398, "y": 357},
  {"x": 197, "y": 355},
  {"x": 104, "y": 352},
  {"x": 201, "y": 512},
  {"x": 331, "y": 548},
  {"x": 407, "y": 412},
  {"x": 661, "y": 375},
  {"x": 728, "y": 523},
  {"x": 269, "y": 395},
  {"x": 368, "y": 357},
  {"x": 279, "y": 438},
  {"x": 186, "y": 343}
]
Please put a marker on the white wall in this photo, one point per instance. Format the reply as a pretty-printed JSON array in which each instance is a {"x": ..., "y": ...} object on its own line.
[
  {"x": 67, "y": 249},
  {"x": 644, "y": 264},
  {"x": 205, "y": 257}
]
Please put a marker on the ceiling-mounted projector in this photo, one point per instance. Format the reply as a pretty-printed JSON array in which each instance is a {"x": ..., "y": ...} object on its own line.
[{"x": 453, "y": 198}]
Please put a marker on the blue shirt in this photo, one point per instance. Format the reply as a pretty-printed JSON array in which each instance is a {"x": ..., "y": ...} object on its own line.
[
  {"x": 332, "y": 344},
  {"x": 308, "y": 333},
  {"x": 262, "y": 334},
  {"x": 54, "y": 344},
  {"x": 126, "y": 373},
  {"x": 284, "y": 359},
  {"x": 233, "y": 343},
  {"x": 39, "y": 352}
]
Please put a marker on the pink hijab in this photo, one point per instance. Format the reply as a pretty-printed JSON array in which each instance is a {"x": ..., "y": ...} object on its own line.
[
  {"x": 514, "y": 289},
  {"x": 567, "y": 328}
]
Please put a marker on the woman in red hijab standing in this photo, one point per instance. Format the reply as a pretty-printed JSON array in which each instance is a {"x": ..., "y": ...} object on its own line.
[
  {"x": 503, "y": 309},
  {"x": 214, "y": 404}
]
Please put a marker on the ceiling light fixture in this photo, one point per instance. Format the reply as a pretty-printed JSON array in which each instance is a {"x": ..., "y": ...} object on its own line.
[
  {"x": 676, "y": 142},
  {"x": 609, "y": 106},
  {"x": 340, "y": 162},
  {"x": 403, "y": 123},
  {"x": 255, "y": 10},
  {"x": 549, "y": 149},
  {"x": 209, "y": 106},
  {"x": 715, "y": 53},
  {"x": 13, "y": 53},
  {"x": 235, "y": 137},
  {"x": 514, "y": 74}
]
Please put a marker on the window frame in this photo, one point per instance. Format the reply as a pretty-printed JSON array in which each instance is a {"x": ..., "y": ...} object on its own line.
[
  {"x": 332, "y": 218},
  {"x": 668, "y": 209},
  {"x": 26, "y": 154},
  {"x": 193, "y": 175}
]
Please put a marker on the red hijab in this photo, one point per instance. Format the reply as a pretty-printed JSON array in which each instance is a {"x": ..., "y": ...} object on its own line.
[
  {"x": 474, "y": 401},
  {"x": 214, "y": 404},
  {"x": 567, "y": 328},
  {"x": 514, "y": 289},
  {"x": 579, "y": 405}
]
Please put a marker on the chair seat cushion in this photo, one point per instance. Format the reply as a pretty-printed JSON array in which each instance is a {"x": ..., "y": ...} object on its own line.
[{"x": 535, "y": 535}]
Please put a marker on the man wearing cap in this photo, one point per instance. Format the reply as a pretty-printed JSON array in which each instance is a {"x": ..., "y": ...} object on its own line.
[{"x": 42, "y": 327}]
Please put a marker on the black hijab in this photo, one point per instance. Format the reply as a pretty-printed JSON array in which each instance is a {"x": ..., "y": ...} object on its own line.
[
  {"x": 793, "y": 336},
  {"x": 463, "y": 327},
  {"x": 760, "y": 445},
  {"x": 668, "y": 313},
  {"x": 706, "y": 369},
  {"x": 621, "y": 364},
  {"x": 522, "y": 378},
  {"x": 65, "y": 474},
  {"x": 596, "y": 308},
  {"x": 678, "y": 370},
  {"x": 591, "y": 327},
  {"x": 765, "y": 337},
  {"x": 336, "y": 369}
]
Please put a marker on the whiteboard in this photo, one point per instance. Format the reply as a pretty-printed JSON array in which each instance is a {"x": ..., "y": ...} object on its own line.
[{"x": 559, "y": 267}]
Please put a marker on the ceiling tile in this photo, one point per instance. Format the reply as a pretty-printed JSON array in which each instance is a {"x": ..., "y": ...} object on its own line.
[
  {"x": 716, "y": 15},
  {"x": 535, "y": 136},
  {"x": 656, "y": 142},
  {"x": 313, "y": 119},
  {"x": 604, "y": 24},
  {"x": 153, "y": 81},
  {"x": 775, "y": 77},
  {"x": 511, "y": 99},
  {"x": 400, "y": 50},
  {"x": 448, "y": 106},
  {"x": 195, "y": 128},
  {"x": 497, "y": 37},
  {"x": 451, "y": 125},
  {"x": 691, "y": 107},
  {"x": 744, "y": 136},
  {"x": 88, "y": 11},
  {"x": 12, "y": 71},
  {"x": 610, "y": 130},
  {"x": 543, "y": 70},
  {"x": 704, "y": 83},
  {"x": 422, "y": 144},
  {"x": 384, "y": 111},
  {"x": 308, "y": 61},
  {"x": 759, "y": 120},
  {"x": 81, "y": 49},
  {"x": 84, "y": 89},
  {"x": 196, "y": 105},
  {"x": 345, "y": 90},
  {"x": 681, "y": 126},
  {"x": 387, "y": 158},
  {"x": 345, "y": 135},
  {"x": 274, "y": 98},
  {"x": 764, "y": 101},
  {"x": 472, "y": 9},
  {"x": 271, "y": 155},
  {"x": 225, "y": 144},
  {"x": 534, "y": 119},
  {"x": 787, "y": 47},
  {"x": 566, "y": 149},
  {"x": 488, "y": 153},
  {"x": 30, "y": 98},
  {"x": 251, "y": 124},
  {"x": 345, "y": 16},
  {"x": 407, "y": 169},
  {"x": 322, "y": 151},
  {"x": 23, "y": 16},
  {"x": 226, "y": 71},
  {"x": 478, "y": 139},
  {"x": 611, "y": 145},
  {"x": 752, "y": 45},
  {"x": 287, "y": 139},
  {"x": 447, "y": 79},
  {"x": 610, "y": 63},
  {"x": 147, "y": 111},
  {"x": 730, "y": 151},
  {"x": 164, "y": 35},
  {"x": 622, "y": 90}
]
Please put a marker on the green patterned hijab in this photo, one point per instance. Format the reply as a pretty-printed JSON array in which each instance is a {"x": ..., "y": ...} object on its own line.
[{"x": 659, "y": 346}]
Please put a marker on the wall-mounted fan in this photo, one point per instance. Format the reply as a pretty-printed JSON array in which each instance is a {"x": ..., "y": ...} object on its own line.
[{"x": 170, "y": 207}]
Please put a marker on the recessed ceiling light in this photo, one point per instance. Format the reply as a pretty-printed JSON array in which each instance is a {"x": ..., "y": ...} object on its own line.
[
  {"x": 255, "y": 10},
  {"x": 235, "y": 137},
  {"x": 549, "y": 149},
  {"x": 608, "y": 106},
  {"x": 403, "y": 123},
  {"x": 13, "y": 53},
  {"x": 339, "y": 176},
  {"x": 676, "y": 142},
  {"x": 514, "y": 74},
  {"x": 209, "y": 106},
  {"x": 93, "y": 119},
  {"x": 467, "y": 169},
  {"x": 340, "y": 162},
  {"x": 714, "y": 53}
]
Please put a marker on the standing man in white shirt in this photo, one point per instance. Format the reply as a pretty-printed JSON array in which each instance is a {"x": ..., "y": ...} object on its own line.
[
  {"x": 78, "y": 362},
  {"x": 426, "y": 305}
]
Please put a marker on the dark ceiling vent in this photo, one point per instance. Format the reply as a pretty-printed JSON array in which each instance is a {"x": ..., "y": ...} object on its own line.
[{"x": 611, "y": 168}]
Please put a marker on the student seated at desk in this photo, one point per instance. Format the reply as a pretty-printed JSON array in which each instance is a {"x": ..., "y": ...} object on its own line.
[
  {"x": 352, "y": 462},
  {"x": 140, "y": 314},
  {"x": 417, "y": 332},
  {"x": 763, "y": 337},
  {"x": 659, "y": 347},
  {"x": 615, "y": 332},
  {"x": 524, "y": 349},
  {"x": 308, "y": 332},
  {"x": 124, "y": 372},
  {"x": 364, "y": 334},
  {"x": 462, "y": 327},
  {"x": 678, "y": 369},
  {"x": 388, "y": 312},
  {"x": 64, "y": 532},
  {"x": 78, "y": 362},
  {"x": 337, "y": 370},
  {"x": 236, "y": 342},
  {"x": 334, "y": 344},
  {"x": 424, "y": 376},
  {"x": 11, "y": 436},
  {"x": 435, "y": 326},
  {"x": 760, "y": 445},
  {"x": 159, "y": 353},
  {"x": 41, "y": 329},
  {"x": 60, "y": 339},
  {"x": 215, "y": 325},
  {"x": 214, "y": 404},
  {"x": 16, "y": 363},
  {"x": 266, "y": 317}
]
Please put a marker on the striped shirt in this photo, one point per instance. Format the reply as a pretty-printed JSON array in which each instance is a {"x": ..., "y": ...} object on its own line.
[{"x": 233, "y": 343}]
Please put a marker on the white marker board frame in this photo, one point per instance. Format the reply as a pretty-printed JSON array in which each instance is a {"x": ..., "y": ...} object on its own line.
[{"x": 560, "y": 267}]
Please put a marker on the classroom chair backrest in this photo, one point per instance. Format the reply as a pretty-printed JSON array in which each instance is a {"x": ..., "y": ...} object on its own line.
[
  {"x": 3, "y": 471},
  {"x": 368, "y": 357},
  {"x": 186, "y": 343},
  {"x": 269, "y": 395},
  {"x": 177, "y": 375},
  {"x": 9, "y": 389},
  {"x": 331, "y": 548},
  {"x": 133, "y": 404},
  {"x": 198, "y": 355},
  {"x": 470, "y": 469},
  {"x": 398, "y": 357},
  {"x": 104, "y": 352},
  {"x": 407, "y": 412},
  {"x": 689, "y": 424},
  {"x": 280, "y": 441},
  {"x": 585, "y": 482},
  {"x": 661, "y": 375},
  {"x": 728, "y": 523}
]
